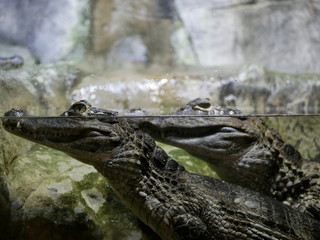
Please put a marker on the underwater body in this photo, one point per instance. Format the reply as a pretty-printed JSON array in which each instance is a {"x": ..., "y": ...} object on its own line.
[{"x": 119, "y": 148}]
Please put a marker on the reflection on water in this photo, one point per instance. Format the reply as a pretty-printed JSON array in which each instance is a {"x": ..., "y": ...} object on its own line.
[{"x": 252, "y": 90}]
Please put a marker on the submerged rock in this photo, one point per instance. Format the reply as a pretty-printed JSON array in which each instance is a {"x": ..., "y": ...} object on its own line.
[
  {"x": 4, "y": 208},
  {"x": 41, "y": 90},
  {"x": 55, "y": 196}
]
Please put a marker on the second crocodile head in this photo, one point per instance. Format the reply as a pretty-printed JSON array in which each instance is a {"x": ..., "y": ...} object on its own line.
[{"x": 242, "y": 150}]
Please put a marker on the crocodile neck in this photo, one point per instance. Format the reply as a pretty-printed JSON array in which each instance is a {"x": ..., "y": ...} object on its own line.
[
  {"x": 144, "y": 176},
  {"x": 173, "y": 201}
]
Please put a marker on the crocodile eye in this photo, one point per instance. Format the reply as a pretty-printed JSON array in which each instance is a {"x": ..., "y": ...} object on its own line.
[
  {"x": 79, "y": 108},
  {"x": 203, "y": 105}
]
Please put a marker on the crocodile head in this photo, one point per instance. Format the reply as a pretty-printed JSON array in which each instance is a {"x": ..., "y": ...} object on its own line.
[
  {"x": 77, "y": 132},
  {"x": 241, "y": 150},
  {"x": 206, "y": 137}
]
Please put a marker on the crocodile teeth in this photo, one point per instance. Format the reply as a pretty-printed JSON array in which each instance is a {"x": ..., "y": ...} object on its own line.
[{"x": 18, "y": 125}]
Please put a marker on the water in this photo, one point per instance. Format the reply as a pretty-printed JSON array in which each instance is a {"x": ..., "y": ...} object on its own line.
[{"x": 54, "y": 184}]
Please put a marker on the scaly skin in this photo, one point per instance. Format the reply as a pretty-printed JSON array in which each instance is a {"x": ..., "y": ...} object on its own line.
[
  {"x": 175, "y": 203},
  {"x": 244, "y": 151}
]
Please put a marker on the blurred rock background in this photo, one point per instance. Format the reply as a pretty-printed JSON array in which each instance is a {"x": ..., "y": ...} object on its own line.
[
  {"x": 280, "y": 35},
  {"x": 260, "y": 56}
]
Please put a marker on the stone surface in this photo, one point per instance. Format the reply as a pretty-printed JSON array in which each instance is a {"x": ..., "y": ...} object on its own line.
[
  {"x": 192, "y": 4},
  {"x": 273, "y": 26},
  {"x": 156, "y": 94},
  {"x": 8, "y": 50},
  {"x": 55, "y": 196},
  {"x": 50, "y": 29},
  {"x": 212, "y": 32},
  {"x": 4, "y": 207},
  {"x": 209, "y": 33},
  {"x": 127, "y": 51},
  {"x": 40, "y": 90},
  {"x": 260, "y": 32},
  {"x": 153, "y": 33},
  {"x": 252, "y": 89},
  {"x": 99, "y": 26},
  {"x": 115, "y": 22},
  {"x": 180, "y": 40}
]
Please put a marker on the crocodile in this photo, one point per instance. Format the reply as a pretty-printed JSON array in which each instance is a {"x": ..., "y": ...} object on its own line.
[
  {"x": 175, "y": 203},
  {"x": 11, "y": 62},
  {"x": 244, "y": 151}
]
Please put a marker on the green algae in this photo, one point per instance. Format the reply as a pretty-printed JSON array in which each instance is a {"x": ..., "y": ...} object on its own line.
[{"x": 191, "y": 163}]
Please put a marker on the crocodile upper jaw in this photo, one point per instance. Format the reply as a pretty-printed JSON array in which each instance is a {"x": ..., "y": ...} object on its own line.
[{"x": 85, "y": 139}]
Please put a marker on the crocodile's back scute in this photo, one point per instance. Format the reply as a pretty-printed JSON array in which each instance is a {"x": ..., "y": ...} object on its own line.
[
  {"x": 190, "y": 227},
  {"x": 237, "y": 213}
]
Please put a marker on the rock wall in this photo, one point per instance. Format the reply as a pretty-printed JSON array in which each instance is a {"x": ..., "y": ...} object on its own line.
[
  {"x": 131, "y": 32},
  {"x": 50, "y": 29},
  {"x": 40, "y": 90},
  {"x": 281, "y": 35}
]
